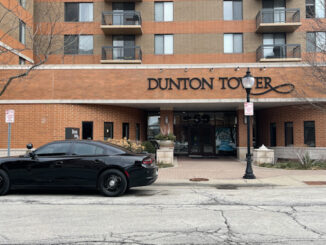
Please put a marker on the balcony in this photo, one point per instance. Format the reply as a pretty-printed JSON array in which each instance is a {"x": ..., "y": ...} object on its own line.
[
  {"x": 278, "y": 20},
  {"x": 121, "y": 23},
  {"x": 121, "y": 55},
  {"x": 279, "y": 53}
]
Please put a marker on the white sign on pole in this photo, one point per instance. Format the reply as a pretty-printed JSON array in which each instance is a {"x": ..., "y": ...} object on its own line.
[
  {"x": 10, "y": 116},
  {"x": 249, "y": 108}
]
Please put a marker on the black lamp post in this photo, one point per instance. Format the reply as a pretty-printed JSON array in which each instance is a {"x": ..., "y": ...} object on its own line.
[{"x": 248, "y": 82}]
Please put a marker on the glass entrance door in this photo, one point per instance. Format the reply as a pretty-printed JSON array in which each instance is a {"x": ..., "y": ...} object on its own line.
[{"x": 201, "y": 140}]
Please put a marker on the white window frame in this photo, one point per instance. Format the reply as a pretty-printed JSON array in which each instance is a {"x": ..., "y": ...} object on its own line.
[
  {"x": 319, "y": 42},
  {"x": 232, "y": 2},
  {"x": 166, "y": 16},
  {"x": 166, "y": 50},
  {"x": 79, "y": 12},
  {"x": 78, "y": 45},
  {"x": 233, "y": 39}
]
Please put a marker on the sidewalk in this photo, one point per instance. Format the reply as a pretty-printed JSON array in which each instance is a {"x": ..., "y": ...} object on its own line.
[{"x": 229, "y": 171}]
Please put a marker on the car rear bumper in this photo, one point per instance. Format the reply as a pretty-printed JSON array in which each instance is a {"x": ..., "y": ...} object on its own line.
[{"x": 145, "y": 176}]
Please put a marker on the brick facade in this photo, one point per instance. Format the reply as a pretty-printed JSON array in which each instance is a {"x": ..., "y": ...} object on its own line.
[
  {"x": 296, "y": 114},
  {"x": 42, "y": 123}
]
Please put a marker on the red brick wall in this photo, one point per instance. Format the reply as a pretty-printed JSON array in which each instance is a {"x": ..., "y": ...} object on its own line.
[
  {"x": 111, "y": 84},
  {"x": 297, "y": 115},
  {"x": 42, "y": 123}
]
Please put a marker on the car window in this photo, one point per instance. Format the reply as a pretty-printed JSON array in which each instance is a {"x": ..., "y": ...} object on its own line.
[
  {"x": 87, "y": 149},
  {"x": 54, "y": 149},
  {"x": 114, "y": 151}
]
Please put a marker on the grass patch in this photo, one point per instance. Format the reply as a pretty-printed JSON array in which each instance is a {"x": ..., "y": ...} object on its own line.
[
  {"x": 164, "y": 165},
  {"x": 293, "y": 164}
]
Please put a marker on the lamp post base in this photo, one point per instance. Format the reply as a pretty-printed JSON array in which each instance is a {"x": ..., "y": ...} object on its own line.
[
  {"x": 249, "y": 176},
  {"x": 249, "y": 173}
]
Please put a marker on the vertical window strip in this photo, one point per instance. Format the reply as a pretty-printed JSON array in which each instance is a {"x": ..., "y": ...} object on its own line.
[{"x": 309, "y": 133}]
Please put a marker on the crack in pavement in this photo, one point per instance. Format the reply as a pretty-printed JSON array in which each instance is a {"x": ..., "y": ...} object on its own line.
[{"x": 292, "y": 216}]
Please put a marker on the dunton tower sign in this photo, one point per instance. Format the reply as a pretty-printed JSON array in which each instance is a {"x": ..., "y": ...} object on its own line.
[{"x": 211, "y": 83}]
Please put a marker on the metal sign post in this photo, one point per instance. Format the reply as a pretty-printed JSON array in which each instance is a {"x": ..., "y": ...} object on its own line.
[
  {"x": 10, "y": 118},
  {"x": 9, "y": 138}
]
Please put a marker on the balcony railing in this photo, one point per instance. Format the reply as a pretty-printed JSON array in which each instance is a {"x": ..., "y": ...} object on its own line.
[
  {"x": 278, "y": 20},
  {"x": 285, "y": 52},
  {"x": 126, "y": 17},
  {"x": 121, "y": 22},
  {"x": 121, "y": 54}
]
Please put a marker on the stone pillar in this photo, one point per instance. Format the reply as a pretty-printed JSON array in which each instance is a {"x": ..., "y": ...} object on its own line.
[
  {"x": 166, "y": 154},
  {"x": 242, "y": 135},
  {"x": 166, "y": 121}
]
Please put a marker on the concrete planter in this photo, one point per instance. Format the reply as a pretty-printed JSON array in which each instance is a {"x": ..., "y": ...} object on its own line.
[
  {"x": 165, "y": 143},
  {"x": 263, "y": 155}
]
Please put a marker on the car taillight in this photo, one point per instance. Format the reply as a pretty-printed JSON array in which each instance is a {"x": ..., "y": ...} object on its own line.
[{"x": 147, "y": 161}]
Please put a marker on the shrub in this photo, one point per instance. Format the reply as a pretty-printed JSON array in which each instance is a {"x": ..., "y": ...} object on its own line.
[
  {"x": 169, "y": 136},
  {"x": 128, "y": 144},
  {"x": 149, "y": 147},
  {"x": 306, "y": 161}
]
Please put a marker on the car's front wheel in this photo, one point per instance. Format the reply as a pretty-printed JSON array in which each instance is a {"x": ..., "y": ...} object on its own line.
[
  {"x": 112, "y": 183},
  {"x": 4, "y": 182}
]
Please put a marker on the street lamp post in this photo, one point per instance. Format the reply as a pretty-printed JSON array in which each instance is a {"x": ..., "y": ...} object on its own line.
[{"x": 248, "y": 82}]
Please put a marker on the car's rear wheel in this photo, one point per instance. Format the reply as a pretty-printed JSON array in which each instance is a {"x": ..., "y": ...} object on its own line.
[
  {"x": 112, "y": 183},
  {"x": 4, "y": 182}
]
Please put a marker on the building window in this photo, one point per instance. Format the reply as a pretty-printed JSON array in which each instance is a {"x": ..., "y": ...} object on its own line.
[
  {"x": 22, "y": 61},
  {"x": 137, "y": 131},
  {"x": 125, "y": 130},
  {"x": 153, "y": 125},
  {"x": 78, "y": 12},
  {"x": 22, "y": 3},
  {"x": 232, "y": 10},
  {"x": 272, "y": 131},
  {"x": 309, "y": 133},
  {"x": 78, "y": 44},
  {"x": 274, "y": 45},
  {"x": 108, "y": 130},
  {"x": 315, "y": 9},
  {"x": 233, "y": 43},
  {"x": 163, "y": 11},
  {"x": 288, "y": 126},
  {"x": 22, "y": 32},
  {"x": 316, "y": 41},
  {"x": 163, "y": 44}
]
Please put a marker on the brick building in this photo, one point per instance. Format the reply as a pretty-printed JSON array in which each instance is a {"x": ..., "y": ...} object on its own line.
[{"x": 135, "y": 68}]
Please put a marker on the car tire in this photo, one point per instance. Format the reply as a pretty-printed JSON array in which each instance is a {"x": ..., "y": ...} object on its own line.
[
  {"x": 112, "y": 183},
  {"x": 4, "y": 183}
]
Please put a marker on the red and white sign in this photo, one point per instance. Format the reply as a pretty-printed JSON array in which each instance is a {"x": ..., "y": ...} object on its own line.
[
  {"x": 249, "y": 108},
  {"x": 10, "y": 116}
]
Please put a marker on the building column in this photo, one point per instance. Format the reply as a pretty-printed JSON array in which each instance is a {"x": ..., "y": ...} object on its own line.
[
  {"x": 166, "y": 121},
  {"x": 242, "y": 135}
]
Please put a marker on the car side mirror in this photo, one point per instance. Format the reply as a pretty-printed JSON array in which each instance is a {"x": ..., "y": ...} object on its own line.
[{"x": 32, "y": 154}]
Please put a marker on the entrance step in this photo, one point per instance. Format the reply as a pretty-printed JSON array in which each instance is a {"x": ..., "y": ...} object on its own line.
[{"x": 195, "y": 156}]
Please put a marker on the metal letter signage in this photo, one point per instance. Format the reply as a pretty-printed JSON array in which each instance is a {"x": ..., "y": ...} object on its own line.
[{"x": 196, "y": 83}]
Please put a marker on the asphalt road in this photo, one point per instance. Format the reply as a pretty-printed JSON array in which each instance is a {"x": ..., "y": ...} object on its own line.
[{"x": 162, "y": 214}]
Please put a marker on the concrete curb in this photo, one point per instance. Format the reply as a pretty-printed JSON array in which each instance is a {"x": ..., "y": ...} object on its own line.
[{"x": 291, "y": 180}]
